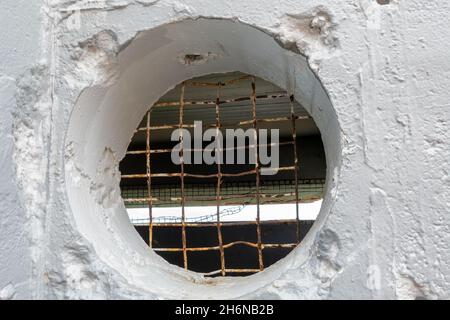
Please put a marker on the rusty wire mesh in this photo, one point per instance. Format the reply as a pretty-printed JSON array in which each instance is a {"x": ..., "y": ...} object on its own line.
[{"x": 216, "y": 194}]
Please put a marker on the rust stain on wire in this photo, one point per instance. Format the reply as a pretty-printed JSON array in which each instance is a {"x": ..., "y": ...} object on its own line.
[
  {"x": 230, "y": 245},
  {"x": 183, "y": 196},
  {"x": 220, "y": 84},
  {"x": 219, "y": 158},
  {"x": 200, "y": 176},
  {"x": 250, "y": 146},
  {"x": 213, "y": 102},
  {"x": 149, "y": 183},
  {"x": 226, "y": 125},
  {"x": 296, "y": 173},
  {"x": 257, "y": 172}
]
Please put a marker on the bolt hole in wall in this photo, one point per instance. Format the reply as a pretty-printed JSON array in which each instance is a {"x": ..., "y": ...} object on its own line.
[{"x": 202, "y": 196}]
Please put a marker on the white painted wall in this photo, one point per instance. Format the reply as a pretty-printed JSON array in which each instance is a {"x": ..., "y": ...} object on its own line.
[
  {"x": 384, "y": 227},
  {"x": 21, "y": 50}
]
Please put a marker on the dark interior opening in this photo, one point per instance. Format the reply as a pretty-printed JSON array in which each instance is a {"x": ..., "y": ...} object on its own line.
[{"x": 247, "y": 246}]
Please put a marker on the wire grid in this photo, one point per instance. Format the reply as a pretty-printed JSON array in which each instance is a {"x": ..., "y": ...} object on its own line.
[{"x": 258, "y": 194}]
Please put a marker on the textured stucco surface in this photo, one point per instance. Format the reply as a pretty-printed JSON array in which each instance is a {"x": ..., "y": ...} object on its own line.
[{"x": 384, "y": 231}]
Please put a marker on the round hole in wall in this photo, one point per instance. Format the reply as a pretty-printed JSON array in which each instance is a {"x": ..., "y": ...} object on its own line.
[
  {"x": 104, "y": 120},
  {"x": 248, "y": 186}
]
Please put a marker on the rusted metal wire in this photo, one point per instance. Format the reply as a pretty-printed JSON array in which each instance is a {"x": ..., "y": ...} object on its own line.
[
  {"x": 213, "y": 102},
  {"x": 183, "y": 196},
  {"x": 220, "y": 84},
  {"x": 250, "y": 122},
  {"x": 258, "y": 213},
  {"x": 167, "y": 127},
  {"x": 230, "y": 245},
  {"x": 149, "y": 183},
  {"x": 296, "y": 173},
  {"x": 267, "y": 120},
  {"x": 210, "y": 274},
  {"x": 226, "y": 125},
  {"x": 219, "y": 157},
  {"x": 201, "y": 176},
  {"x": 250, "y": 146}
]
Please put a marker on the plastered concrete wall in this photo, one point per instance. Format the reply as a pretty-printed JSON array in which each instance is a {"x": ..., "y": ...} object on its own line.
[
  {"x": 384, "y": 231},
  {"x": 20, "y": 49}
]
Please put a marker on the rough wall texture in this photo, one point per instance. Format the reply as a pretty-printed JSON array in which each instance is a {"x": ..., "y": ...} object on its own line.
[{"x": 386, "y": 68}]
